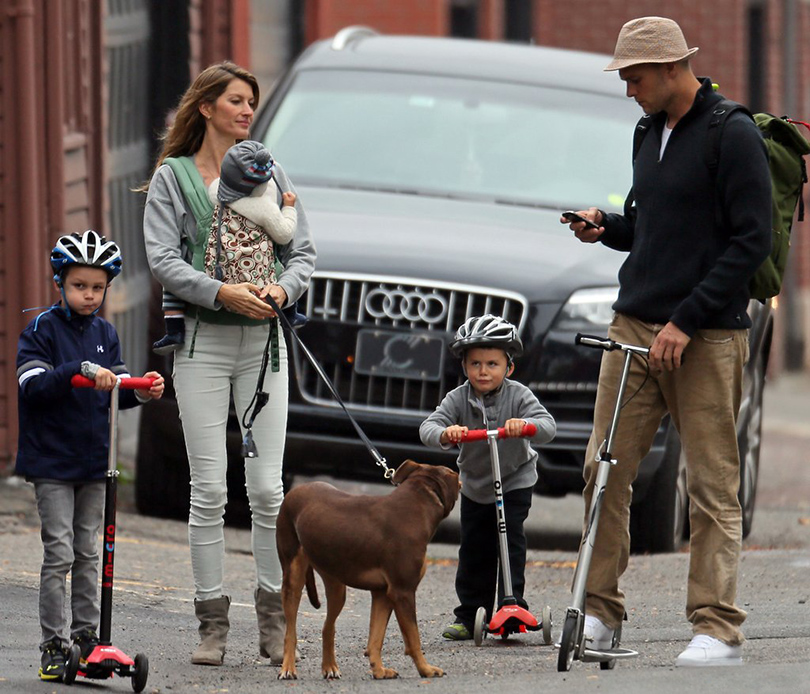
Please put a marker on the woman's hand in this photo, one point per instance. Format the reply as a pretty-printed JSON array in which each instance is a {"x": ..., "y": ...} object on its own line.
[
  {"x": 277, "y": 293},
  {"x": 243, "y": 298},
  {"x": 288, "y": 199}
]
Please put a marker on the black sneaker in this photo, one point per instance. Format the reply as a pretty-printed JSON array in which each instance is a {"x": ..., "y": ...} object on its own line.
[
  {"x": 53, "y": 661},
  {"x": 86, "y": 640}
]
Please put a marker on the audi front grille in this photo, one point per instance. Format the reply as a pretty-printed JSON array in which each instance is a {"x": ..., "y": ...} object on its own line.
[{"x": 383, "y": 340}]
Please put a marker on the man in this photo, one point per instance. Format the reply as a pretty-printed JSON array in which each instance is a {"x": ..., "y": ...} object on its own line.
[{"x": 695, "y": 237}]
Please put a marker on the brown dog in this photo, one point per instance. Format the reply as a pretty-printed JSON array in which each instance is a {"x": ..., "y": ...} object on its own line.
[{"x": 375, "y": 543}]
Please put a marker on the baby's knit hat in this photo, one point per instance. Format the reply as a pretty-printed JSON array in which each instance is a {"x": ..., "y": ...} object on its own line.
[{"x": 246, "y": 165}]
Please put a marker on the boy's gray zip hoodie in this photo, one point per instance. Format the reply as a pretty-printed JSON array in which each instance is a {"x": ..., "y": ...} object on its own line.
[{"x": 518, "y": 460}]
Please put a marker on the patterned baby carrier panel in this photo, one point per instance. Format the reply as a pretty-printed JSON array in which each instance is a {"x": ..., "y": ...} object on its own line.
[{"x": 246, "y": 253}]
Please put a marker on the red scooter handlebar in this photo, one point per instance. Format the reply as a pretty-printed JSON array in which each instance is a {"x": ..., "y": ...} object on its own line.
[
  {"x": 128, "y": 383},
  {"x": 481, "y": 434}
]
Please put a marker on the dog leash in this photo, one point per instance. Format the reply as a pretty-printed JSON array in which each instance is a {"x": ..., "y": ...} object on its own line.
[{"x": 378, "y": 459}]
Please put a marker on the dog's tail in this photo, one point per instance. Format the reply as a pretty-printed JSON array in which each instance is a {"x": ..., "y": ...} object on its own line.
[{"x": 312, "y": 589}]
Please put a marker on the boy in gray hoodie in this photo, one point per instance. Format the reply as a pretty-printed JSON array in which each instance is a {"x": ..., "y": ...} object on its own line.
[{"x": 487, "y": 346}]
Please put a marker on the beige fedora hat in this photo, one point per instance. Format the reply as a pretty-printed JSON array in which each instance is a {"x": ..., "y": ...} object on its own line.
[{"x": 649, "y": 40}]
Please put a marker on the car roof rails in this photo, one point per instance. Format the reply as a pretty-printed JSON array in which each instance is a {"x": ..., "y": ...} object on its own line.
[{"x": 351, "y": 34}]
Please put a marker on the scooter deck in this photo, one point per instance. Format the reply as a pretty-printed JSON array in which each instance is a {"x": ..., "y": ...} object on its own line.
[{"x": 593, "y": 656}]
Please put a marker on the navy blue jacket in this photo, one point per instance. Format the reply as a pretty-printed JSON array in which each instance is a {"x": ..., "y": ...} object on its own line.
[
  {"x": 683, "y": 266},
  {"x": 64, "y": 431}
]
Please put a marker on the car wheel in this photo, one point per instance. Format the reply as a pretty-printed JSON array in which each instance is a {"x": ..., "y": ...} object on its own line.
[
  {"x": 750, "y": 439},
  {"x": 660, "y": 522},
  {"x": 161, "y": 478}
]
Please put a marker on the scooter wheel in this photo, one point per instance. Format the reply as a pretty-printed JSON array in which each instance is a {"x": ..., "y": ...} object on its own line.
[
  {"x": 479, "y": 631},
  {"x": 567, "y": 644},
  {"x": 547, "y": 625},
  {"x": 140, "y": 672},
  {"x": 72, "y": 665}
]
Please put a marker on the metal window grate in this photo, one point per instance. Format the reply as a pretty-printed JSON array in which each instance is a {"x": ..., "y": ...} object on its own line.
[{"x": 339, "y": 305}]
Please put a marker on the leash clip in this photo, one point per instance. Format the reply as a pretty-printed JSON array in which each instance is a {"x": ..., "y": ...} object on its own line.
[{"x": 389, "y": 473}]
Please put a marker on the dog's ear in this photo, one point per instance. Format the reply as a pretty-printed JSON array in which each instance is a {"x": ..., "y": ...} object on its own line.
[
  {"x": 405, "y": 470},
  {"x": 451, "y": 488}
]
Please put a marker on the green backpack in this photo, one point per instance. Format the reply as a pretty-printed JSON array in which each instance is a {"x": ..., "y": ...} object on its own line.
[{"x": 786, "y": 148}]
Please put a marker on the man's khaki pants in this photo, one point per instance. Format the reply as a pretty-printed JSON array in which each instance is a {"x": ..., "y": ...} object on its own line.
[{"x": 703, "y": 398}]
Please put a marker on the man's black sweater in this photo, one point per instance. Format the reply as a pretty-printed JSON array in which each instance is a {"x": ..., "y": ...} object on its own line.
[{"x": 683, "y": 265}]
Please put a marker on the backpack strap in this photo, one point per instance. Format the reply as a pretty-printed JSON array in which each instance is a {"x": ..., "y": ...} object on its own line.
[
  {"x": 196, "y": 195},
  {"x": 643, "y": 127},
  {"x": 722, "y": 110}
]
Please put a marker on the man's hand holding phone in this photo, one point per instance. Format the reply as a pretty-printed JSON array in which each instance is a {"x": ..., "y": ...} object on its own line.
[{"x": 582, "y": 224}]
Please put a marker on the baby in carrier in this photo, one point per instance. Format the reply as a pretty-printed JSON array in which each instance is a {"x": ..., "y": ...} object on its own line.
[{"x": 247, "y": 225}]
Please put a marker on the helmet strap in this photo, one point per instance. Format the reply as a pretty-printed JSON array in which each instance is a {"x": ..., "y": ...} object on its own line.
[
  {"x": 64, "y": 298},
  {"x": 103, "y": 299}
]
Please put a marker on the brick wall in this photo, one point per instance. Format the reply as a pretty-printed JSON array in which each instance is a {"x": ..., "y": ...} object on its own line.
[
  {"x": 718, "y": 28},
  {"x": 423, "y": 17}
]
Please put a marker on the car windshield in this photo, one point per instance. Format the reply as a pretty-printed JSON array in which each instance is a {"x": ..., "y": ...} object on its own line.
[{"x": 447, "y": 136}]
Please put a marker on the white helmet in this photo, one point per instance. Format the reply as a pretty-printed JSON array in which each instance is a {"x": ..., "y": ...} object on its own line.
[
  {"x": 89, "y": 248},
  {"x": 487, "y": 331}
]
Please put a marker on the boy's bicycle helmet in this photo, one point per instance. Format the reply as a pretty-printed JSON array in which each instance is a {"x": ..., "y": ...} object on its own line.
[
  {"x": 89, "y": 248},
  {"x": 487, "y": 331}
]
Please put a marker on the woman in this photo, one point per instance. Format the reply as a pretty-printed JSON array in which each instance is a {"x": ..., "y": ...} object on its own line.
[{"x": 228, "y": 327}]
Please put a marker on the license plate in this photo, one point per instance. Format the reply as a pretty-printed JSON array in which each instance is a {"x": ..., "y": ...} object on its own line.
[{"x": 399, "y": 355}]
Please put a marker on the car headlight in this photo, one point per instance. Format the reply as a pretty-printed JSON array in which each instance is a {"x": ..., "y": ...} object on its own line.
[{"x": 587, "y": 310}]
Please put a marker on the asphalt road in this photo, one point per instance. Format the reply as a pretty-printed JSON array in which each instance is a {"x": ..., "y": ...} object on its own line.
[{"x": 153, "y": 610}]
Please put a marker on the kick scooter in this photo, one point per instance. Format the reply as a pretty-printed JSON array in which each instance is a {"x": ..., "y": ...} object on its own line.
[
  {"x": 510, "y": 618},
  {"x": 572, "y": 643},
  {"x": 106, "y": 660}
]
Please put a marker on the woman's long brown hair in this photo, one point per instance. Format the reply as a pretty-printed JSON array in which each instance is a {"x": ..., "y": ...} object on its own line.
[{"x": 185, "y": 135}]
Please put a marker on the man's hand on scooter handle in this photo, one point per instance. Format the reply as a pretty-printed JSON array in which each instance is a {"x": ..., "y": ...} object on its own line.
[{"x": 454, "y": 434}]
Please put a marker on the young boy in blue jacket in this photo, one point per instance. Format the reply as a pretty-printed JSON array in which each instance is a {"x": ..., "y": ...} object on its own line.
[
  {"x": 64, "y": 436},
  {"x": 487, "y": 346}
]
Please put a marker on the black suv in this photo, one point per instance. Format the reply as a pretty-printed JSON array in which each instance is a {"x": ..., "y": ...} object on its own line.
[{"x": 433, "y": 172}]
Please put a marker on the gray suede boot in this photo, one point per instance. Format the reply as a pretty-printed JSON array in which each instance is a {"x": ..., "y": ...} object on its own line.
[
  {"x": 272, "y": 625},
  {"x": 214, "y": 625}
]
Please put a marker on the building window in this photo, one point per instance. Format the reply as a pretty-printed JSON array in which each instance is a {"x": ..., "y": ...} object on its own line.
[
  {"x": 757, "y": 58},
  {"x": 518, "y": 20},
  {"x": 464, "y": 18}
]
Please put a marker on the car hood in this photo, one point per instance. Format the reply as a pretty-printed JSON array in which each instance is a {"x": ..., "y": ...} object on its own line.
[{"x": 502, "y": 246}]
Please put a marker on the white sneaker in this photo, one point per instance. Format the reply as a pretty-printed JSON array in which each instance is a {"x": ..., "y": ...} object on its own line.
[
  {"x": 597, "y": 634},
  {"x": 705, "y": 650}
]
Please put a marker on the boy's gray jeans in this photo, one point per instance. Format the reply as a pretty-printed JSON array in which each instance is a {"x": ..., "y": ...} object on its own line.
[{"x": 70, "y": 515}]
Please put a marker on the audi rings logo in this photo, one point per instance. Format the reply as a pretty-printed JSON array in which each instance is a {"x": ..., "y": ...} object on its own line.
[{"x": 412, "y": 306}]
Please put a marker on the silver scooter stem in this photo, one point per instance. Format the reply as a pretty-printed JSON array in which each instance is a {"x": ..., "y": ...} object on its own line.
[
  {"x": 605, "y": 462},
  {"x": 506, "y": 573}
]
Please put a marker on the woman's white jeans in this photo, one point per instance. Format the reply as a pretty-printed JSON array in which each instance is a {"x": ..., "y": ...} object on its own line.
[{"x": 225, "y": 357}]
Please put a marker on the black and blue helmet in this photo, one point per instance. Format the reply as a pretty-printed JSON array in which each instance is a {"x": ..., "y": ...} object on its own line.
[{"x": 89, "y": 248}]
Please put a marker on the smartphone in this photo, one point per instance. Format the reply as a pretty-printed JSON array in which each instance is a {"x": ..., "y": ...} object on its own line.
[{"x": 574, "y": 217}]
